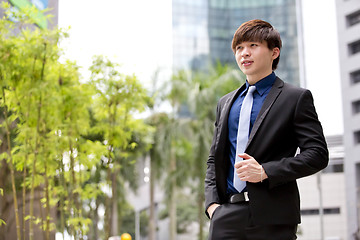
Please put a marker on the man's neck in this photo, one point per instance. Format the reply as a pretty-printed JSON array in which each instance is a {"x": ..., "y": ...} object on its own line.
[{"x": 252, "y": 79}]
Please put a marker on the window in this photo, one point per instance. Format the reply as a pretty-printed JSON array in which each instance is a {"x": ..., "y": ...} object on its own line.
[
  {"x": 357, "y": 137},
  {"x": 310, "y": 212},
  {"x": 332, "y": 211},
  {"x": 316, "y": 211},
  {"x": 354, "y": 47},
  {"x": 356, "y": 107},
  {"x": 353, "y": 18},
  {"x": 357, "y": 174},
  {"x": 334, "y": 168},
  {"x": 355, "y": 77}
]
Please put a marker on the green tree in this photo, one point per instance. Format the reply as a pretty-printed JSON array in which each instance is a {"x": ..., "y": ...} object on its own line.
[
  {"x": 176, "y": 150},
  {"x": 157, "y": 162},
  {"x": 160, "y": 122},
  {"x": 199, "y": 93},
  {"x": 170, "y": 150},
  {"x": 76, "y": 155},
  {"x": 118, "y": 98},
  {"x": 50, "y": 107},
  {"x": 8, "y": 118}
]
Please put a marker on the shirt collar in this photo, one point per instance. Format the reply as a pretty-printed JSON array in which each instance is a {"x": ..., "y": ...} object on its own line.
[{"x": 262, "y": 85}]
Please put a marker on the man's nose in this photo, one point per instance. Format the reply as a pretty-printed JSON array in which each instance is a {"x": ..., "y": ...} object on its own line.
[{"x": 245, "y": 52}]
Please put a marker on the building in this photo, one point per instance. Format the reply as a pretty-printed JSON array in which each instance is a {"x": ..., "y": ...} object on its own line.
[
  {"x": 323, "y": 198},
  {"x": 190, "y": 34},
  {"x": 348, "y": 16},
  {"x": 203, "y": 30}
]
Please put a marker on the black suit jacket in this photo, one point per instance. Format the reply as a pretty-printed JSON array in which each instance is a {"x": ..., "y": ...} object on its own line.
[{"x": 287, "y": 121}]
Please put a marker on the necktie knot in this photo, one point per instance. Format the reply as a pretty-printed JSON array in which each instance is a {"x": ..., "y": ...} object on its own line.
[{"x": 251, "y": 89}]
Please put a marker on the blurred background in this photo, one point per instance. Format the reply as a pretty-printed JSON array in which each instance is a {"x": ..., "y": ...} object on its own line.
[{"x": 108, "y": 110}]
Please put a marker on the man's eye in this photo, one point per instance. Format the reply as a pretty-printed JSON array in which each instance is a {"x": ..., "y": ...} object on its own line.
[
  {"x": 238, "y": 47},
  {"x": 253, "y": 44}
]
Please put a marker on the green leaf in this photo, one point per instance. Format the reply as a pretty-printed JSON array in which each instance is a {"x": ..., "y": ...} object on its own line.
[
  {"x": 2, "y": 222},
  {"x": 4, "y": 155}
]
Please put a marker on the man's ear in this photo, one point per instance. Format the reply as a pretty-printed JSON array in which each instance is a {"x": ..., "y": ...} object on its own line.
[{"x": 276, "y": 53}]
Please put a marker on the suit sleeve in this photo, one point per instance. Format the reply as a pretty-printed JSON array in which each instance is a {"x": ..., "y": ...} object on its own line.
[
  {"x": 309, "y": 137},
  {"x": 211, "y": 194}
]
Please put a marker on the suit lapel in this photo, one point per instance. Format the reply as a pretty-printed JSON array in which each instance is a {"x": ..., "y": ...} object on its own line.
[
  {"x": 225, "y": 113},
  {"x": 269, "y": 101}
]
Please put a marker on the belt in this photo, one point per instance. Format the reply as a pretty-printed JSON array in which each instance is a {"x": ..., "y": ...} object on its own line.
[{"x": 239, "y": 197}]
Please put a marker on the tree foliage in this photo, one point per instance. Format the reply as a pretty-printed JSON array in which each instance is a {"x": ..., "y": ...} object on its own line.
[{"x": 65, "y": 142}]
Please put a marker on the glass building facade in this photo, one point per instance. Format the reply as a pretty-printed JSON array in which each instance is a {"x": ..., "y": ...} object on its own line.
[
  {"x": 203, "y": 31},
  {"x": 190, "y": 34}
]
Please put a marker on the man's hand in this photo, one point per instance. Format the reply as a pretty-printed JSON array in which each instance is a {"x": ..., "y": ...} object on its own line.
[
  {"x": 212, "y": 208},
  {"x": 249, "y": 169}
]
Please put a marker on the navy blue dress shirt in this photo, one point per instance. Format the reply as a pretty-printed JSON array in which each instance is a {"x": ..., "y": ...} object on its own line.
[{"x": 262, "y": 89}]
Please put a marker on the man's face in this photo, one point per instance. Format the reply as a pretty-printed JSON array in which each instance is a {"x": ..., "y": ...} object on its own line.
[{"x": 255, "y": 59}]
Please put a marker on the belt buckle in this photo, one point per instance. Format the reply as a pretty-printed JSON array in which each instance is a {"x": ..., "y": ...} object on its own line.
[
  {"x": 239, "y": 197},
  {"x": 246, "y": 195}
]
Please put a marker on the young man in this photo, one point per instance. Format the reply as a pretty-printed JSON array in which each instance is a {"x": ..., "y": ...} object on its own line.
[{"x": 250, "y": 186}]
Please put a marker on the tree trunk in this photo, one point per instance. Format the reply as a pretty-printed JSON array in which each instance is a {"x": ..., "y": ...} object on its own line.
[
  {"x": 201, "y": 187},
  {"x": 96, "y": 220},
  {"x": 78, "y": 202},
  {"x": 201, "y": 211},
  {"x": 108, "y": 199},
  {"x": 24, "y": 201},
  {"x": 39, "y": 197},
  {"x": 12, "y": 172},
  {"x": 172, "y": 211},
  {"x": 47, "y": 197},
  {"x": 31, "y": 230},
  {"x": 114, "y": 203},
  {"x": 73, "y": 197},
  {"x": 62, "y": 198},
  {"x": 37, "y": 133},
  {"x": 11, "y": 166},
  {"x": 152, "y": 220}
]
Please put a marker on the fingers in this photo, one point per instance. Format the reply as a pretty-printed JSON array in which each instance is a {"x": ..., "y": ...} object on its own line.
[
  {"x": 245, "y": 156},
  {"x": 212, "y": 208},
  {"x": 251, "y": 175},
  {"x": 248, "y": 169}
]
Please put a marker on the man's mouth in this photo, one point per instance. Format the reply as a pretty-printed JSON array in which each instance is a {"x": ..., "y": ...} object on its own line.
[{"x": 246, "y": 63}]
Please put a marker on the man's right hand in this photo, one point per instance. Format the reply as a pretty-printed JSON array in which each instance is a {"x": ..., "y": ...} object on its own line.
[{"x": 212, "y": 208}]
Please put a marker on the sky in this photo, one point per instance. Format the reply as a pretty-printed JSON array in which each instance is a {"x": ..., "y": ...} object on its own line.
[
  {"x": 137, "y": 34},
  {"x": 322, "y": 62}
]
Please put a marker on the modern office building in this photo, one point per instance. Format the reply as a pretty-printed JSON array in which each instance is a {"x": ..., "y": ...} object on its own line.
[
  {"x": 190, "y": 34},
  {"x": 203, "y": 30},
  {"x": 348, "y": 17},
  {"x": 323, "y": 198}
]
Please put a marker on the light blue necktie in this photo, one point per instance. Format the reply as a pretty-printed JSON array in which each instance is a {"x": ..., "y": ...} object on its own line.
[{"x": 243, "y": 133}]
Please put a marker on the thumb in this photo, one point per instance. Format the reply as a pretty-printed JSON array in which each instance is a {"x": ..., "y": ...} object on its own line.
[{"x": 244, "y": 155}]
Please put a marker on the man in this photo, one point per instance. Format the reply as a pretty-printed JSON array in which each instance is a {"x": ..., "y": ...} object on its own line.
[{"x": 250, "y": 188}]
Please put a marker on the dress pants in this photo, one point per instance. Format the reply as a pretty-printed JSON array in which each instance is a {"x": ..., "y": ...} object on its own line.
[{"x": 232, "y": 221}]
